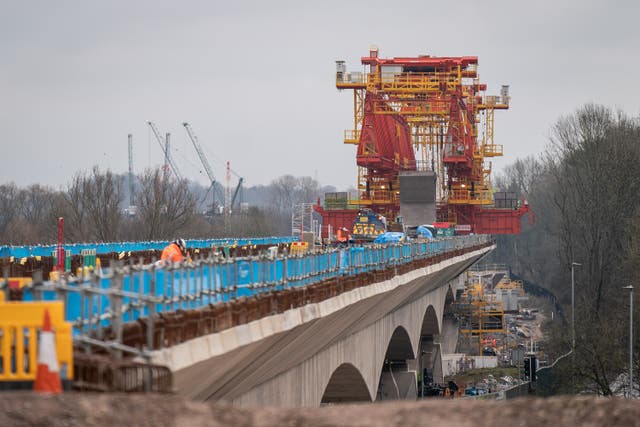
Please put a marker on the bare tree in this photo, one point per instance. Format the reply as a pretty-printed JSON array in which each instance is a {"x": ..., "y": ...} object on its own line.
[
  {"x": 521, "y": 176},
  {"x": 286, "y": 192},
  {"x": 103, "y": 197},
  {"x": 593, "y": 166},
  {"x": 92, "y": 203},
  {"x": 74, "y": 210},
  {"x": 308, "y": 190},
  {"x": 283, "y": 191},
  {"x": 166, "y": 207},
  {"x": 585, "y": 199},
  {"x": 36, "y": 213},
  {"x": 92, "y": 210},
  {"x": 8, "y": 210}
]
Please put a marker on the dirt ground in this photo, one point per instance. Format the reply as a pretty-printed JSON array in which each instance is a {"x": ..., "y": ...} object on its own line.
[{"x": 28, "y": 409}]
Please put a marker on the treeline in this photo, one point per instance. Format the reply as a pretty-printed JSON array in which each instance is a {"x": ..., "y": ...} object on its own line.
[
  {"x": 584, "y": 193},
  {"x": 94, "y": 205}
]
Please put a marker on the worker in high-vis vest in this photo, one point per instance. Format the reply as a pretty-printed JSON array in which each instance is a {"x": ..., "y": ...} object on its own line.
[
  {"x": 176, "y": 251},
  {"x": 343, "y": 235}
]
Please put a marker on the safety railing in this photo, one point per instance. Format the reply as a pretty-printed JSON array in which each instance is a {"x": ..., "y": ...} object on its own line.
[
  {"x": 414, "y": 82},
  {"x": 492, "y": 150},
  {"x": 467, "y": 197},
  {"x": 102, "y": 248},
  {"x": 99, "y": 303},
  {"x": 352, "y": 136}
]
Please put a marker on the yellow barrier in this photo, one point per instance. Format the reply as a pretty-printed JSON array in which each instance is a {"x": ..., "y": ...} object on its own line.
[
  {"x": 19, "y": 282},
  {"x": 20, "y": 323},
  {"x": 298, "y": 248}
]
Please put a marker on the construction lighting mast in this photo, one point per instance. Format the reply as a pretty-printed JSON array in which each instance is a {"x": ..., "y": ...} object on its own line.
[
  {"x": 167, "y": 156},
  {"x": 227, "y": 199},
  {"x": 203, "y": 160},
  {"x": 132, "y": 208},
  {"x": 164, "y": 146}
]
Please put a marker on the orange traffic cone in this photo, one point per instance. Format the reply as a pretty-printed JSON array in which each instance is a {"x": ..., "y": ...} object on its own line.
[{"x": 48, "y": 375}]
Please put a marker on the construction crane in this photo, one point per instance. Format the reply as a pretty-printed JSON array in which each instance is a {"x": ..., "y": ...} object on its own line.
[
  {"x": 230, "y": 200},
  {"x": 425, "y": 114},
  {"x": 203, "y": 160},
  {"x": 164, "y": 146},
  {"x": 237, "y": 191}
]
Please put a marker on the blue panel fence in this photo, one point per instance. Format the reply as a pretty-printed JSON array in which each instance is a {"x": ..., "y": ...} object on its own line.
[
  {"x": 103, "y": 248},
  {"x": 95, "y": 298}
]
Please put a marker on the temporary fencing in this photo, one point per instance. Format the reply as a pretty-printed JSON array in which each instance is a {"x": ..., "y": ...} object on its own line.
[
  {"x": 20, "y": 324},
  {"x": 103, "y": 248},
  {"x": 94, "y": 298},
  {"x": 158, "y": 301}
]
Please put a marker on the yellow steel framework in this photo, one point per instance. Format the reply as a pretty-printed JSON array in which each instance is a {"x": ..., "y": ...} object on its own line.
[
  {"x": 481, "y": 314},
  {"x": 511, "y": 285},
  {"x": 424, "y": 100}
]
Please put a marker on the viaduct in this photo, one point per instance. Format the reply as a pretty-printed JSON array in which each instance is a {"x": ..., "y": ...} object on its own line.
[{"x": 369, "y": 344}]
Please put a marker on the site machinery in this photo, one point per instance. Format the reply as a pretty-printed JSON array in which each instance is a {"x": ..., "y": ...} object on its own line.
[{"x": 427, "y": 114}]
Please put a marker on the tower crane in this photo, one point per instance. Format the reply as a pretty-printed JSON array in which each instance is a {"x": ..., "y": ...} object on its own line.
[
  {"x": 164, "y": 146},
  {"x": 203, "y": 160}
]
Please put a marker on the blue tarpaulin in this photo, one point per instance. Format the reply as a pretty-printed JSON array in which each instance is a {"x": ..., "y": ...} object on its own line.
[
  {"x": 424, "y": 232},
  {"x": 390, "y": 237}
]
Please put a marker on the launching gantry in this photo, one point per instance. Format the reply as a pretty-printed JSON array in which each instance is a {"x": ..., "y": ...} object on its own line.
[{"x": 427, "y": 114}]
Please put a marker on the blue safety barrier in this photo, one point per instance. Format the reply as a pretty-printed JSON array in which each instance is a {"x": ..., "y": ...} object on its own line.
[
  {"x": 216, "y": 279},
  {"x": 103, "y": 248}
]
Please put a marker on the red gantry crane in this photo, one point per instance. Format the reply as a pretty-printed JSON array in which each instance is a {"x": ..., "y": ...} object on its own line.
[{"x": 425, "y": 114}]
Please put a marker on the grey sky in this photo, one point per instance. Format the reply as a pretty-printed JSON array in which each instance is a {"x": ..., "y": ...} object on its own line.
[{"x": 256, "y": 79}]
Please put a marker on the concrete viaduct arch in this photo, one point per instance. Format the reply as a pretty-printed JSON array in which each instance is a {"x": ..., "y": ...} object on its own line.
[
  {"x": 396, "y": 343},
  {"x": 366, "y": 338}
]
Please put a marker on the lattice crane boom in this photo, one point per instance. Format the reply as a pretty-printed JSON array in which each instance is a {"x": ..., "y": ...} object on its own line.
[
  {"x": 163, "y": 146},
  {"x": 237, "y": 191},
  {"x": 201, "y": 155}
]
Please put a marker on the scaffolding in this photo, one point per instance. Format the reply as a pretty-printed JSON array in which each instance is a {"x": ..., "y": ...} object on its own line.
[
  {"x": 480, "y": 317},
  {"x": 515, "y": 286},
  {"x": 302, "y": 220}
]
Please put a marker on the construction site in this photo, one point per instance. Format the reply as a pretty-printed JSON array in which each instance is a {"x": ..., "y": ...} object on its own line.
[
  {"x": 424, "y": 134},
  {"x": 379, "y": 295},
  {"x": 423, "y": 129}
]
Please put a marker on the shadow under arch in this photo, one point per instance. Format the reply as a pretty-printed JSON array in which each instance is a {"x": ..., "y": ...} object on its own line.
[
  {"x": 346, "y": 385},
  {"x": 397, "y": 380},
  {"x": 430, "y": 325},
  {"x": 449, "y": 299},
  {"x": 399, "y": 347},
  {"x": 429, "y": 353}
]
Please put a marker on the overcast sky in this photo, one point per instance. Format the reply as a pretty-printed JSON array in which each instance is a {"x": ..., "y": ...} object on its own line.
[{"x": 256, "y": 80}]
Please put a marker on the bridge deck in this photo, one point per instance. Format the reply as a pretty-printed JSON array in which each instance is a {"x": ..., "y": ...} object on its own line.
[{"x": 230, "y": 375}]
